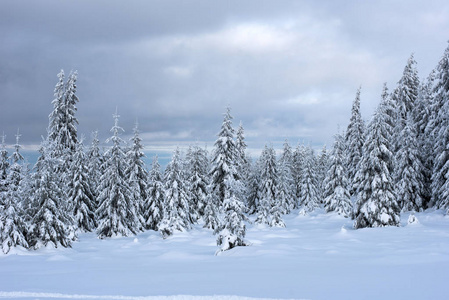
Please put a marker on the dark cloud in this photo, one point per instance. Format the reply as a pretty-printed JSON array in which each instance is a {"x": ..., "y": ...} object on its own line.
[{"x": 288, "y": 69}]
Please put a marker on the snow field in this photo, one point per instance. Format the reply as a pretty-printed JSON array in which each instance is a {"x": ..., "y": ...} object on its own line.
[{"x": 317, "y": 256}]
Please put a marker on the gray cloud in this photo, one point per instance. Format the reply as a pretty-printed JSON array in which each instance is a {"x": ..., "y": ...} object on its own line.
[{"x": 288, "y": 69}]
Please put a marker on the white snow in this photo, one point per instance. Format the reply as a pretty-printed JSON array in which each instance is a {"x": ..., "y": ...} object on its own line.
[{"x": 317, "y": 256}]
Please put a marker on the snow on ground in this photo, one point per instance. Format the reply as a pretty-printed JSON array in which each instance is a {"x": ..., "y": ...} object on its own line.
[{"x": 318, "y": 256}]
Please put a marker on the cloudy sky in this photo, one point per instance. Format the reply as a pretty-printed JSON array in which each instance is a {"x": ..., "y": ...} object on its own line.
[{"x": 288, "y": 69}]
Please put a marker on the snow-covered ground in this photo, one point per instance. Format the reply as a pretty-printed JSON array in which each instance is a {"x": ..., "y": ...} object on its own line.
[{"x": 318, "y": 256}]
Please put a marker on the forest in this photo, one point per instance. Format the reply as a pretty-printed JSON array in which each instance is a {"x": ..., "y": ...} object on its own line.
[{"x": 397, "y": 162}]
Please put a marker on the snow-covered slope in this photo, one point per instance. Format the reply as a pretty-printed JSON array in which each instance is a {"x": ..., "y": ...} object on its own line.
[{"x": 317, "y": 256}]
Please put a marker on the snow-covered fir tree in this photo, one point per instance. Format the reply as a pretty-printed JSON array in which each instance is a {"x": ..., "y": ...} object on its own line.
[
  {"x": 95, "y": 162},
  {"x": 309, "y": 195},
  {"x": 211, "y": 210},
  {"x": 252, "y": 197},
  {"x": 62, "y": 126},
  {"x": 51, "y": 222},
  {"x": 269, "y": 208},
  {"x": 177, "y": 214},
  {"x": 354, "y": 139},
  {"x": 116, "y": 213},
  {"x": 154, "y": 203},
  {"x": 336, "y": 194},
  {"x": 136, "y": 173},
  {"x": 232, "y": 230},
  {"x": 4, "y": 165},
  {"x": 198, "y": 179},
  {"x": 409, "y": 180},
  {"x": 406, "y": 95},
  {"x": 225, "y": 160},
  {"x": 243, "y": 163},
  {"x": 440, "y": 133},
  {"x": 286, "y": 184},
  {"x": 16, "y": 168},
  {"x": 80, "y": 193},
  {"x": 297, "y": 171},
  {"x": 376, "y": 204},
  {"x": 322, "y": 168},
  {"x": 423, "y": 116},
  {"x": 13, "y": 228}
]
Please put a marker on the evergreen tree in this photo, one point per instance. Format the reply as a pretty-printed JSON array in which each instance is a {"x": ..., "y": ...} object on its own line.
[
  {"x": 198, "y": 180},
  {"x": 309, "y": 198},
  {"x": 224, "y": 162},
  {"x": 153, "y": 208},
  {"x": 252, "y": 200},
  {"x": 117, "y": 210},
  {"x": 51, "y": 223},
  {"x": 376, "y": 204},
  {"x": 297, "y": 171},
  {"x": 16, "y": 170},
  {"x": 337, "y": 197},
  {"x": 80, "y": 193},
  {"x": 232, "y": 230},
  {"x": 95, "y": 162},
  {"x": 355, "y": 136},
  {"x": 409, "y": 181},
  {"x": 406, "y": 95},
  {"x": 440, "y": 133},
  {"x": 243, "y": 164},
  {"x": 268, "y": 210},
  {"x": 136, "y": 173},
  {"x": 4, "y": 165},
  {"x": 322, "y": 168},
  {"x": 423, "y": 116},
  {"x": 13, "y": 228},
  {"x": 177, "y": 211},
  {"x": 285, "y": 188}
]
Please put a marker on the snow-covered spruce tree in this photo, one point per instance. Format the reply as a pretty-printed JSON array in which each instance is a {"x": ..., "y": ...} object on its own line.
[
  {"x": 354, "y": 139},
  {"x": 406, "y": 95},
  {"x": 136, "y": 173},
  {"x": 423, "y": 116},
  {"x": 440, "y": 133},
  {"x": 4, "y": 165},
  {"x": 336, "y": 193},
  {"x": 62, "y": 120},
  {"x": 269, "y": 208},
  {"x": 232, "y": 230},
  {"x": 153, "y": 207},
  {"x": 211, "y": 210},
  {"x": 322, "y": 168},
  {"x": 243, "y": 163},
  {"x": 224, "y": 161},
  {"x": 51, "y": 223},
  {"x": 16, "y": 169},
  {"x": 94, "y": 164},
  {"x": 252, "y": 198},
  {"x": 309, "y": 197},
  {"x": 376, "y": 204},
  {"x": 116, "y": 213},
  {"x": 80, "y": 193},
  {"x": 177, "y": 215},
  {"x": 13, "y": 228},
  {"x": 409, "y": 181},
  {"x": 285, "y": 187},
  {"x": 297, "y": 171},
  {"x": 198, "y": 179}
]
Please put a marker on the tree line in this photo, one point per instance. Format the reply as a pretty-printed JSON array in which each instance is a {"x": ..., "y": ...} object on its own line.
[{"x": 398, "y": 162}]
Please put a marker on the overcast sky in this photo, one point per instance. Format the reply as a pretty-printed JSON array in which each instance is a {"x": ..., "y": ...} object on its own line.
[{"x": 288, "y": 69}]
